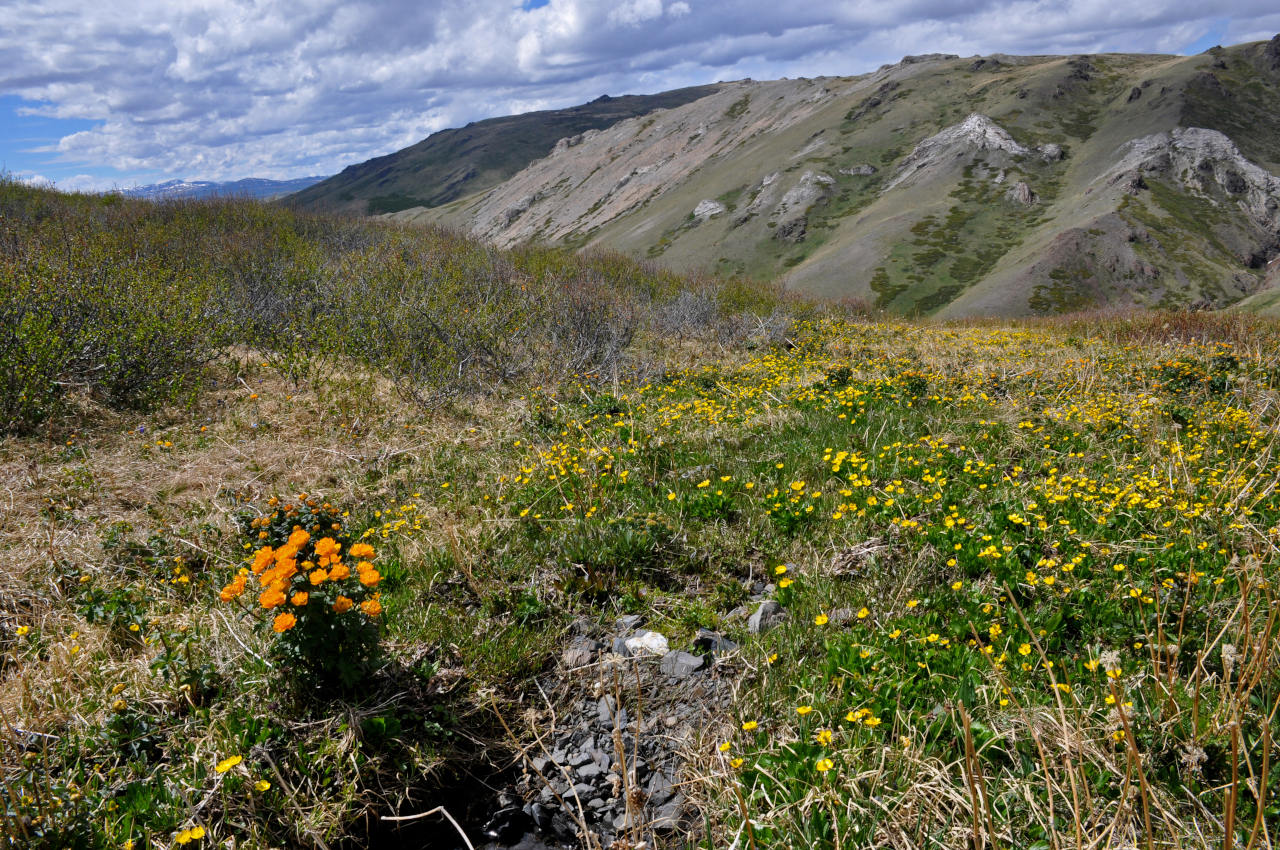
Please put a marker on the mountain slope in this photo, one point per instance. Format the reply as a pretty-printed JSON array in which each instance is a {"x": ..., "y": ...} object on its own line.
[
  {"x": 249, "y": 187},
  {"x": 940, "y": 185},
  {"x": 449, "y": 164}
]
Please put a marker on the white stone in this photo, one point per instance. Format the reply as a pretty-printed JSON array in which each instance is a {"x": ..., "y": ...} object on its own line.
[{"x": 647, "y": 643}]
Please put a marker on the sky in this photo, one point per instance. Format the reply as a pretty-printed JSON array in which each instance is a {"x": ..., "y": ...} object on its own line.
[{"x": 97, "y": 95}]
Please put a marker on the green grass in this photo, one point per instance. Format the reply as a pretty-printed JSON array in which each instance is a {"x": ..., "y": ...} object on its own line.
[{"x": 977, "y": 522}]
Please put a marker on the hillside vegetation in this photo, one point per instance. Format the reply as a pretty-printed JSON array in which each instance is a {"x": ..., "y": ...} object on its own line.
[
  {"x": 1022, "y": 574},
  {"x": 998, "y": 185},
  {"x": 456, "y": 162}
]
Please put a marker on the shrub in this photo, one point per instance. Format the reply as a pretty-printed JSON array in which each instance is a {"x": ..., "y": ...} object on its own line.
[{"x": 317, "y": 592}]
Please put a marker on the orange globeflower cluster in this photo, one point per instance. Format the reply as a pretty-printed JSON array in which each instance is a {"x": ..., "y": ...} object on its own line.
[{"x": 305, "y": 571}]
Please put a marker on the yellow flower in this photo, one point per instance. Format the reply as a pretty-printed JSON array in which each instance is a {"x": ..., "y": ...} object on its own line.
[
  {"x": 863, "y": 614},
  {"x": 749, "y": 726},
  {"x": 872, "y": 721},
  {"x": 228, "y": 763},
  {"x": 823, "y": 737},
  {"x": 735, "y": 763},
  {"x": 1024, "y": 649},
  {"x": 820, "y": 620},
  {"x": 802, "y": 710},
  {"x": 956, "y": 585},
  {"x": 261, "y": 785},
  {"x": 22, "y": 630},
  {"x": 784, "y": 583},
  {"x": 724, "y": 747},
  {"x": 823, "y": 765},
  {"x": 780, "y": 569},
  {"x": 911, "y": 603}
]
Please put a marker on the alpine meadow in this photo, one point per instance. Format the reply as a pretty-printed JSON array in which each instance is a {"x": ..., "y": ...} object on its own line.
[{"x": 884, "y": 461}]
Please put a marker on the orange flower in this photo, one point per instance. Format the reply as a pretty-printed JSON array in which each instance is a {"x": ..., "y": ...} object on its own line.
[
  {"x": 368, "y": 575},
  {"x": 362, "y": 550},
  {"x": 283, "y": 622},
  {"x": 339, "y": 571},
  {"x": 327, "y": 547},
  {"x": 261, "y": 558},
  {"x": 271, "y": 597},
  {"x": 372, "y": 607},
  {"x": 317, "y": 576},
  {"x": 299, "y": 598},
  {"x": 299, "y": 538},
  {"x": 342, "y": 604},
  {"x": 232, "y": 590}
]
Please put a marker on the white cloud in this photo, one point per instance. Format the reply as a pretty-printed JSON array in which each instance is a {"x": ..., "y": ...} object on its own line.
[{"x": 229, "y": 88}]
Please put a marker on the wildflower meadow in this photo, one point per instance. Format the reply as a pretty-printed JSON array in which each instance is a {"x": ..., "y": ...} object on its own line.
[{"x": 1025, "y": 569}]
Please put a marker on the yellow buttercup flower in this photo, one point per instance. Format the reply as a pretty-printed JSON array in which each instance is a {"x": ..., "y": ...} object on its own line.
[{"x": 228, "y": 763}]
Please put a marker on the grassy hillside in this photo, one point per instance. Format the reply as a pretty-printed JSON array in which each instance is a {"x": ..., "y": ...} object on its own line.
[
  {"x": 1024, "y": 570},
  {"x": 456, "y": 162},
  {"x": 819, "y": 181}
]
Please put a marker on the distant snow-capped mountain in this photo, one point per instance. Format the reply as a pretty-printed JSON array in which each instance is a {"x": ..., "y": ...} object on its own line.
[{"x": 250, "y": 187}]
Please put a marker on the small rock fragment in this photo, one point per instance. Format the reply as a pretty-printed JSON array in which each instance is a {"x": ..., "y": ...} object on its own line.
[
  {"x": 680, "y": 664},
  {"x": 768, "y": 615}
]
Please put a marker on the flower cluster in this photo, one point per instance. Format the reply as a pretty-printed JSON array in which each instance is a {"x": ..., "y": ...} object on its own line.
[{"x": 319, "y": 590}]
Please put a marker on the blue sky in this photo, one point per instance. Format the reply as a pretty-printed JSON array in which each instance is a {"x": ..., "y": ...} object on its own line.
[{"x": 96, "y": 95}]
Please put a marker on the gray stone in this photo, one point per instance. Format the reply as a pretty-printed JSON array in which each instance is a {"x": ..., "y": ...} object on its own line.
[
  {"x": 713, "y": 642},
  {"x": 620, "y": 647},
  {"x": 578, "y": 758},
  {"x": 589, "y": 770},
  {"x": 581, "y": 652},
  {"x": 768, "y": 615},
  {"x": 1020, "y": 193},
  {"x": 840, "y": 616},
  {"x": 583, "y": 791},
  {"x": 668, "y": 815},
  {"x": 605, "y": 709},
  {"x": 680, "y": 664},
  {"x": 627, "y": 622}
]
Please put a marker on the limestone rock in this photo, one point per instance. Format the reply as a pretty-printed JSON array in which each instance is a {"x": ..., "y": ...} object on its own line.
[
  {"x": 1020, "y": 193},
  {"x": 975, "y": 133},
  {"x": 708, "y": 209},
  {"x": 645, "y": 642}
]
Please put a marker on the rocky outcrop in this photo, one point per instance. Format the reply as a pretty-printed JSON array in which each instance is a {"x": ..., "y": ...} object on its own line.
[
  {"x": 791, "y": 214},
  {"x": 707, "y": 209},
  {"x": 976, "y": 134},
  {"x": 1205, "y": 161},
  {"x": 1020, "y": 193}
]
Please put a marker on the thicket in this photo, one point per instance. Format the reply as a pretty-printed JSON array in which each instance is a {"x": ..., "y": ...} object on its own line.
[{"x": 126, "y": 302}]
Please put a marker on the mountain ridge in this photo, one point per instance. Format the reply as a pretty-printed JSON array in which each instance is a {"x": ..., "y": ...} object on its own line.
[
  {"x": 938, "y": 185},
  {"x": 249, "y": 187}
]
